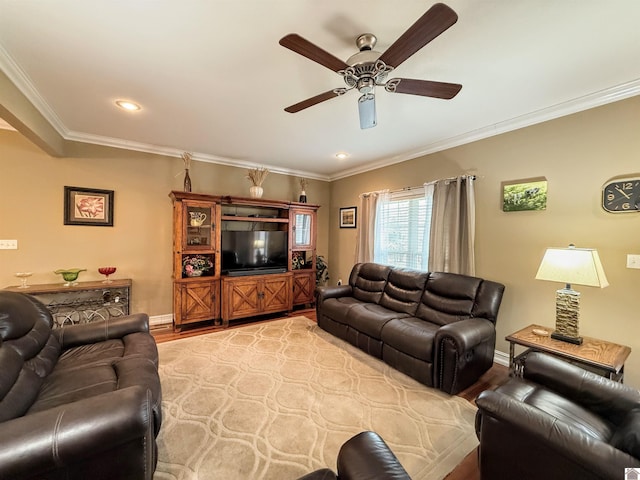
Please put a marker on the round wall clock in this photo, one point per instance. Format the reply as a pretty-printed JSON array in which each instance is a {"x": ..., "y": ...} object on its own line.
[{"x": 622, "y": 195}]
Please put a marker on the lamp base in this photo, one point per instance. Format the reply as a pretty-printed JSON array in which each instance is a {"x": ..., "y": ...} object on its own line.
[
  {"x": 567, "y": 316},
  {"x": 565, "y": 338}
]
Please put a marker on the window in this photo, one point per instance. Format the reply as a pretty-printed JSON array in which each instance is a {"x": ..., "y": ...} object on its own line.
[{"x": 402, "y": 229}]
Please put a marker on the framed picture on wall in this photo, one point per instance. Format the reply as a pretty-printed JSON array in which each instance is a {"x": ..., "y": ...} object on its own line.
[
  {"x": 348, "y": 217},
  {"x": 524, "y": 195},
  {"x": 88, "y": 206}
]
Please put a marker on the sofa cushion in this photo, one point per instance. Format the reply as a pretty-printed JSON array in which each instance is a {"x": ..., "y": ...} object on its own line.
[
  {"x": 338, "y": 309},
  {"x": 66, "y": 385},
  {"x": 370, "y": 318},
  {"x": 448, "y": 298},
  {"x": 403, "y": 290},
  {"x": 132, "y": 345},
  {"x": 28, "y": 352},
  {"x": 368, "y": 281},
  {"x": 412, "y": 336},
  {"x": 21, "y": 315}
]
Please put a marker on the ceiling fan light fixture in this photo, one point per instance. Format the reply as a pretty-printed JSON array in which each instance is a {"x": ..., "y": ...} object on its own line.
[
  {"x": 367, "y": 111},
  {"x": 128, "y": 106}
]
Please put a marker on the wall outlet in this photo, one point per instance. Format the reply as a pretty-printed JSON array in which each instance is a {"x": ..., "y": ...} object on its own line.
[
  {"x": 339, "y": 281},
  {"x": 8, "y": 244},
  {"x": 633, "y": 261}
]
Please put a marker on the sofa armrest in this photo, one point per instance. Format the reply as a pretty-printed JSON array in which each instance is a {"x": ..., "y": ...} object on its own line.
[
  {"x": 366, "y": 455},
  {"x": 510, "y": 429},
  {"x": 102, "y": 330},
  {"x": 605, "y": 397},
  {"x": 62, "y": 436},
  {"x": 467, "y": 334},
  {"x": 463, "y": 351},
  {"x": 323, "y": 293}
]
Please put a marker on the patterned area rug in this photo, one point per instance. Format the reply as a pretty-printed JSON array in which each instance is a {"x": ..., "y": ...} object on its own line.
[{"x": 276, "y": 400}]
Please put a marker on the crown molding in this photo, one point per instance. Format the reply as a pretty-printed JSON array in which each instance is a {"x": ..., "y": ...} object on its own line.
[
  {"x": 195, "y": 156},
  {"x": 596, "y": 99},
  {"x": 579, "y": 104},
  {"x": 22, "y": 82}
]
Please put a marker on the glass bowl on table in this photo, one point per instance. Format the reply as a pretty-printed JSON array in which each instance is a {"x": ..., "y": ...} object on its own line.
[
  {"x": 106, "y": 271},
  {"x": 70, "y": 275}
]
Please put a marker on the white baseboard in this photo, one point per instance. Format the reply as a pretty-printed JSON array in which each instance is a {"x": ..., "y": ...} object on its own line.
[
  {"x": 501, "y": 358},
  {"x": 160, "y": 320}
]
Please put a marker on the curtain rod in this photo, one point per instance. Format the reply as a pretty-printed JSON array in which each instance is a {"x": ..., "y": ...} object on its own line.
[{"x": 408, "y": 189}]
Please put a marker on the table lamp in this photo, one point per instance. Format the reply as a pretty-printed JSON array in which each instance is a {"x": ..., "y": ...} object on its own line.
[{"x": 579, "y": 266}]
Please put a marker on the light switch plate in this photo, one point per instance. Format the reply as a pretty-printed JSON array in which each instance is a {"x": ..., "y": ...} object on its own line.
[
  {"x": 633, "y": 261},
  {"x": 8, "y": 244}
]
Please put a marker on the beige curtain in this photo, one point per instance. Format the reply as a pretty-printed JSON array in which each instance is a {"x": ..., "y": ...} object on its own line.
[
  {"x": 453, "y": 225},
  {"x": 367, "y": 228}
]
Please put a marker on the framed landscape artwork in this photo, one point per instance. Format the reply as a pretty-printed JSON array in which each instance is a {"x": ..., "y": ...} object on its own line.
[
  {"x": 348, "y": 217},
  {"x": 524, "y": 195},
  {"x": 88, "y": 206}
]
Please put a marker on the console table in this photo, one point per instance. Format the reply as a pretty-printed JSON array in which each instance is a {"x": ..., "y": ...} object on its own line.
[
  {"x": 82, "y": 302},
  {"x": 601, "y": 357}
]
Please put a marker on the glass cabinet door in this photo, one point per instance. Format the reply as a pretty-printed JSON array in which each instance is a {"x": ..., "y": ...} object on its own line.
[
  {"x": 302, "y": 233},
  {"x": 198, "y": 227}
]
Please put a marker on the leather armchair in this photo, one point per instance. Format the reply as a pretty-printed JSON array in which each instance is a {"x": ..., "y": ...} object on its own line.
[
  {"x": 365, "y": 456},
  {"x": 78, "y": 402},
  {"x": 558, "y": 422}
]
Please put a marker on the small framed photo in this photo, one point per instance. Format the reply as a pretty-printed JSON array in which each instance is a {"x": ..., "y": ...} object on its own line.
[
  {"x": 521, "y": 195},
  {"x": 348, "y": 217},
  {"x": 88, "y": 206}
]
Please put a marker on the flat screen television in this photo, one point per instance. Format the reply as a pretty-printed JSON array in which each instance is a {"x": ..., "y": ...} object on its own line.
[{"x": 253, "y": 252}]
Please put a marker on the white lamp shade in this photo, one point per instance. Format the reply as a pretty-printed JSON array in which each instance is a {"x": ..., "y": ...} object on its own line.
[{"x": 580, "y": 266}]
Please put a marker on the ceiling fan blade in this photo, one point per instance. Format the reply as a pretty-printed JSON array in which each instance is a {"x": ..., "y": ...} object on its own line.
[
  {"x": 310, "y": 102},
  {"x": 307, "y": 49},
  {"x": 367, "y": 111},
  {"x": 435, "y": 21},
  {"x": 425, "y": 88}
]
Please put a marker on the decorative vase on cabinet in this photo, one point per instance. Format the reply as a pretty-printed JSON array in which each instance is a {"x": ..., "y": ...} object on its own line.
[
  {"x": 256, "y": 191},
  {"x": 187, "y": 181}
]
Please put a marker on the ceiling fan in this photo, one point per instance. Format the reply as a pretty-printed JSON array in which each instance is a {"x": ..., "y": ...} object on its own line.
[{"x": 368, "y": 69}]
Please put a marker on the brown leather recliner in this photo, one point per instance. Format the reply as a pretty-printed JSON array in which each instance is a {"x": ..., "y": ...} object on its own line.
[
  {"x": 365, "y": 456},
  {"x": 436, "y": 327},
  {"x": 558, "y": 422},
  {"x": 77, "y": 402}
]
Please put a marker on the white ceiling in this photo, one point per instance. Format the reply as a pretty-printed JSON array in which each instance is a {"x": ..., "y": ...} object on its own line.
[{"x": 213, "y": 80}]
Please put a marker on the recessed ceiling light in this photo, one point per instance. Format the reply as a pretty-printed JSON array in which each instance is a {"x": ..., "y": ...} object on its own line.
[
  {"x": 127, "y": 105},
  {"x": 342, "y": 155}
]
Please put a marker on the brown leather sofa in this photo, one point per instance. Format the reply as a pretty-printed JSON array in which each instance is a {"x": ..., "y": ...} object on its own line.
[
  {"x": 363, "y": 457},
  {"x": 438, "y": 328},
  {"x": 558, "y": 422},
  {"x": 77, "y": 402}
]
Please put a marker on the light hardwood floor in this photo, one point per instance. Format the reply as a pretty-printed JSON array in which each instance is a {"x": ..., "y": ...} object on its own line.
[{"x": 498, "y": 374}]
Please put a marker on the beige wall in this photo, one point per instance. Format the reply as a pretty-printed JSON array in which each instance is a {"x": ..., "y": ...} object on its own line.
[
  {"x": 139, "y": 244},
  {"x": 577, "y": 154}
]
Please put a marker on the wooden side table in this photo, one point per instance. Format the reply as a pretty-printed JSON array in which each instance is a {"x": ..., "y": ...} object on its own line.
[
  {"x": 601, "y": 357},
  {"x": 82, "y": 302}
]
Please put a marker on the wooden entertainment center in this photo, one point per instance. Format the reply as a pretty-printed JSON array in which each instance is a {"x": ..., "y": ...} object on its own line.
[{"x": 271, "y": 284}]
